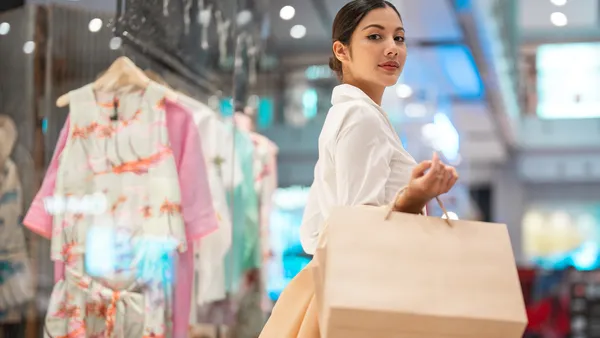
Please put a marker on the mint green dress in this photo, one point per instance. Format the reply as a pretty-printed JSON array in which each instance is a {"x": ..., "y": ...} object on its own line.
[{"x": 244, "y": 254}]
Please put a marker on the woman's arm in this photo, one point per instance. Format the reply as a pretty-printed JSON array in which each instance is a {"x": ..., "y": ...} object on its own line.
[
  {"x": 362, "y": 159},
  {"x": 409, "y": 202}
]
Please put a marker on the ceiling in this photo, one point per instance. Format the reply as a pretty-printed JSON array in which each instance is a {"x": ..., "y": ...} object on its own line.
[
  {"x": 536, "y": 27},
  {"x": 100, "y": 5},
  {"x": 535, "y": 14}
]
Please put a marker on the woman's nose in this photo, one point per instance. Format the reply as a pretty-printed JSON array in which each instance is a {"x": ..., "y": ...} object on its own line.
[{"x": 392, "y": 48}]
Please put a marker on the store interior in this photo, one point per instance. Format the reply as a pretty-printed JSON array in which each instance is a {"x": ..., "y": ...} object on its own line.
[{"x": 504, "y": 90}]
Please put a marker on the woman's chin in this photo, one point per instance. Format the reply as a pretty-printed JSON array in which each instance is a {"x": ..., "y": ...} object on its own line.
[{"x": 390, "y": 81}]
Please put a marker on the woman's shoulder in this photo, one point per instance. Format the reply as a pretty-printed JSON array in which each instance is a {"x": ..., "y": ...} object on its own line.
[
  {"x": 353, "y": 112},
  {"x": 351, "y": 119}
]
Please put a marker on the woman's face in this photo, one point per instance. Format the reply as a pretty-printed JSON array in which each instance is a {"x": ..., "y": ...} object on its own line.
[{"x": 377, "y": 50}]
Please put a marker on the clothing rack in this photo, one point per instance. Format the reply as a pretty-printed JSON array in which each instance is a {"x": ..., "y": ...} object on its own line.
[
  {"x": 205, "y": 80},
  {"x": 155, "y": 54}
]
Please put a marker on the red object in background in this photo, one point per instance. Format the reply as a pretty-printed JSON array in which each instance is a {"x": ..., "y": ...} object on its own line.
[
  {"x": 549, "y": 317},
  {"x": 527, "y": 278}
]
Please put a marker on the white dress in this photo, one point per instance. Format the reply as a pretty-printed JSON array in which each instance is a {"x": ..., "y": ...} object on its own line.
[
  {"x": 224, "y": 174},
  {"x": 361, "y": 161}
]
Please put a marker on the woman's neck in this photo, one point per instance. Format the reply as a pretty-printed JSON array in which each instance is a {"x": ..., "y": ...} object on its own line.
[{"x": 375, "y": 93}]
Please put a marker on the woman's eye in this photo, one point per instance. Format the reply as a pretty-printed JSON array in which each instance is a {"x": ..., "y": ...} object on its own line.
[
  {"x": 374, "y": 37},
  {"x": 399, "y": 38}
]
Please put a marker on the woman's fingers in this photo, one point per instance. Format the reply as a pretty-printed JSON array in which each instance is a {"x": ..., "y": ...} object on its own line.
[
  {"x": 454, "y": 176},
  {"x": 433, "y": 174},
  {"x": 421, "y": 168},
  {"x": 435, "y": 178},
  {"x": 447, "y": 179},
  {"x": 451, "y": 178}
]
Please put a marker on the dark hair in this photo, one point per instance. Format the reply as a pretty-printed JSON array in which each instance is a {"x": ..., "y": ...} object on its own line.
[{"x": 346, "y": 21}]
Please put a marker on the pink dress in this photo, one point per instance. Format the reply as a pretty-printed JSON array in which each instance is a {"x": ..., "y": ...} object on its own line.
[{"x": 197, "y": 209}]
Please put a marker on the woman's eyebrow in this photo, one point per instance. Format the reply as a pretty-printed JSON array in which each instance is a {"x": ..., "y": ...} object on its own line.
[{"x": 381, "y": 27}]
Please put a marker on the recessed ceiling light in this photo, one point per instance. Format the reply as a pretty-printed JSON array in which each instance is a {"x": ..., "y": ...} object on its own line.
[
  {"x": 403, "y": 91},
  {"x": 29, "y": 47},
  {"x": 298, "y": 32},
  {"x": 287, "y": 12},
  {"x": 4, "y": 28},
  {"x": 559, "y": 2},
  {"x": 244, "y": 17},
  {"x": 115, "y": 43},
  {"x": 95, "y": 25},
  {"x": 559, "y": 19}
]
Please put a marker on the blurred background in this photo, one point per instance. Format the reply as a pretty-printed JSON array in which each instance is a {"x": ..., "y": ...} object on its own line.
[{"x": 508, "y": 91}]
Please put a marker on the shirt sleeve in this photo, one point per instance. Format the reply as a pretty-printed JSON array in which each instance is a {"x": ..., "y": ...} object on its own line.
[
  {"x": 362, "y": 160},
  {"x": 196, "y": 201},
  {"x": 37, "y": 219}
]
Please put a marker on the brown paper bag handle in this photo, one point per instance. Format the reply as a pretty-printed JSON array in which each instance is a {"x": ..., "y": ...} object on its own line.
[
  {"x": 437, "y": 198},
  {"x": 389, "y": 211}
]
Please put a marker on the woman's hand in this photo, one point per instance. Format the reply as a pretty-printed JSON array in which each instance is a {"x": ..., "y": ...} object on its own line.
[{"x": 429, "y": 180}]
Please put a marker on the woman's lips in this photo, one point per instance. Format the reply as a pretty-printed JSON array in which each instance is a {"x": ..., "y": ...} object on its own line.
[{"x": 390, "y": 66}]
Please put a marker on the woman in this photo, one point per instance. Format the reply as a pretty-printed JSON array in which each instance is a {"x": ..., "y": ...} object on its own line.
[{"x": 361, "y": 159}]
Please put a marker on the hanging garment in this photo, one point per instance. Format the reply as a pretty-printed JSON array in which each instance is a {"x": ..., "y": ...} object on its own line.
[
  {"x": 129, "y": 163},
  {"x": 224, "y": 173},
  {"x": 265, "y": 166},
  {"x": 244, "y": 254},
  {"x": 15, "y": 274},
  {"x": 254, "y": 302},
  {"x": 197, "y": 209}
]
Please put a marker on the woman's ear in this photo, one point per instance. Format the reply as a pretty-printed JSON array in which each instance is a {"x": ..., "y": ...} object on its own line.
[{"x": 341, "y": 52}]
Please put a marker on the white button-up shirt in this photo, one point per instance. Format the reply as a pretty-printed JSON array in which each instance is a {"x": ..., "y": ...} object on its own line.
[{"x": 361, "y": 161}]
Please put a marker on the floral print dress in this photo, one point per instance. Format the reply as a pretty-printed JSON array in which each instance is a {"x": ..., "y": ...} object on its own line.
[{"x": 118, "y": 247}]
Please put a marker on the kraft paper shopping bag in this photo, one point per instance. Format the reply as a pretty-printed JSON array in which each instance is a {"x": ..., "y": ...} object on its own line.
[{"x": 416, "y": 276}]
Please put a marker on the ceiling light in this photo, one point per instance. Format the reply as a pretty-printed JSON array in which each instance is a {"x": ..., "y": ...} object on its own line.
[
  {"x": 403, "y": 91},
  {"x": 4, "y": 28},
  {"x": 115, "y": 43},
  {"x": 558, "y": 19},
  {"x": 287, "y": 12},
  {"x": 298, "y": 32},
  {"x": 559, "y": 2},
  {"x": 244, "y": 17},
  {"x": 29, "y": 47},
  {"x": 95, "y": 25}
]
